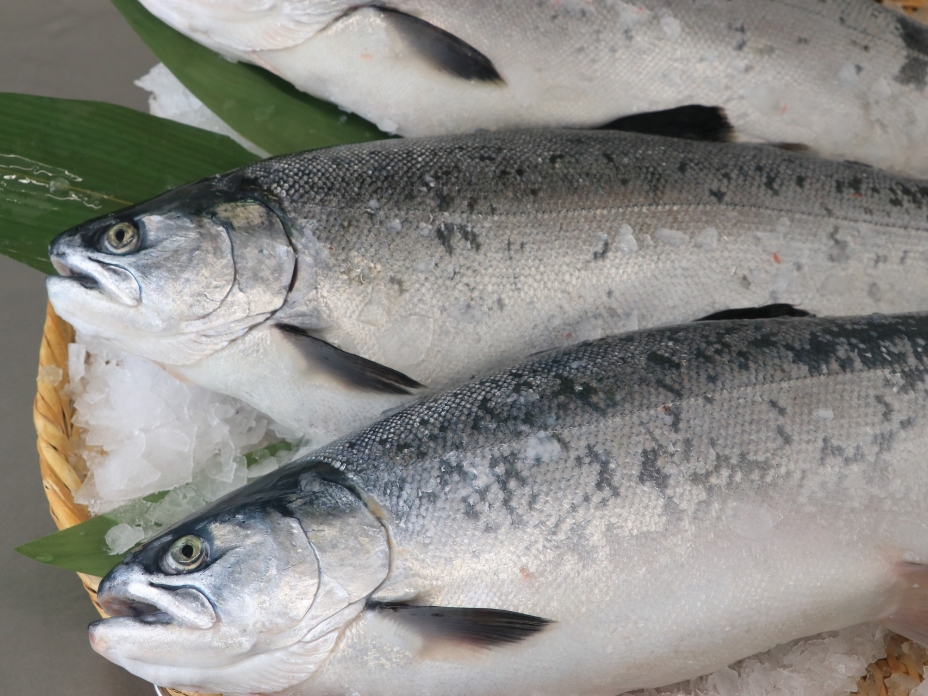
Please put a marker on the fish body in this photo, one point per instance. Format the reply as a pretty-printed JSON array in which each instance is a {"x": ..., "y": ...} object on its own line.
[
  {"x": 624, "y": 513},
  {"x": 845, "y": 77},
  {"x": 328, "y": 286}
]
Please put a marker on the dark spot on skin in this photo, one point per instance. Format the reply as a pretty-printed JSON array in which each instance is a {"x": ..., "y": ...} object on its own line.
[
  {"x": 717, "y": 194},
  {"x": 887, "y": 407},
  {"x": 907, "y": 423},
  {"x": 400, "y": 284},
  {"x": 609, "y": 158},
  {"x": 802, "y": 41},
  {"x": 913, "y": 72},
  {"x": 739, "y": 46},
  {"x": 447, "y": 231},
  {"x": 745, "y": 283},
  {"x": 601, "y": 254},
  {"x": 650, "y": 471},
  {"x": 554, "y": 159},
  {"x": 787, "y": 438},
  {"x": 838, "y": 254},
  {"x": 781, "y": 410},
  {"x": 770, "y": 183},
  {"x": 874, "y": 292},
  {"x": 801, "y": 181},
  {"x": 884, "y": 441},
  {"x": 683, "y": 166},
  {"x": 913, "y": 34}
]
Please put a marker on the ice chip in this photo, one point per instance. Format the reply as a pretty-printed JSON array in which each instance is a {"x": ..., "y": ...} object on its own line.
[{"x": 122, "y": 537}]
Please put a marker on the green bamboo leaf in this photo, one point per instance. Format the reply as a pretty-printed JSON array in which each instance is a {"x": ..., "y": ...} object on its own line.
[
  {"x": 64, "y": 161},
  {"x": 267, "y": 110},
  {"x": 81, "y": 548}
]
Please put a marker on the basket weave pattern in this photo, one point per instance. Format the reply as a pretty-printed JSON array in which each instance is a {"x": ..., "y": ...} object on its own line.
[{"x": 63, "y": 470}]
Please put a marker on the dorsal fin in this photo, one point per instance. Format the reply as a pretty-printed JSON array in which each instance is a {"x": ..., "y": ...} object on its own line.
[
  {"x": 765, "y": 312},
  {"x": 349, "y": 369},
  {"x": 443, "y": 50},
  {"x": 691, "y": 122}
]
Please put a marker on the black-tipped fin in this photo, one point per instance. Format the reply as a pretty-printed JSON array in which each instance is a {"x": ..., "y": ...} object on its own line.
[
  {"x": 769, "y": 311},
  {"x": 462, "y": 626},
  {"x": 351, "y": 370},
  {"x": 443, "y": 50},
  {"x": 691, "y": 122}
]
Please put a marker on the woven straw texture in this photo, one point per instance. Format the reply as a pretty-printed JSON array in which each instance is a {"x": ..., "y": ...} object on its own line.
[{"x": 63, "y": 470}]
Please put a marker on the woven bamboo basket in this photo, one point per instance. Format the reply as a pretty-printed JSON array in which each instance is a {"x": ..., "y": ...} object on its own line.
[{"x": 63, "y": 470}]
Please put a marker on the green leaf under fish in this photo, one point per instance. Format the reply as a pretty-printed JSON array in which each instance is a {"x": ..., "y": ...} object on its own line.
[
  {"x": 81, "y": 548},
  {"x": 63, "y": 161},
  {"x": 262, "y": 107}
]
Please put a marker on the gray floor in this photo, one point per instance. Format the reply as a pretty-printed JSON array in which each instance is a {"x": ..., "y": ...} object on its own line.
[{"x": 79, "y": 49}]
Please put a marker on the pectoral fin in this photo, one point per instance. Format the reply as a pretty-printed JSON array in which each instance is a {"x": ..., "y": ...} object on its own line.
[
  {"x": 443, "y": 627},
  {"x": 765, "y": 312},
  {"x": 691, "y": 122},
  {"x": 351, "y": 370},
  {"x": 443, "y": 50}
]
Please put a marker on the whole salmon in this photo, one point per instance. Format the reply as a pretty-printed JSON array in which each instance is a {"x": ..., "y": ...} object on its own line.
[
  {"x": 328, "y": 286},
  {"x": 621, "y": 514},
  {"x": 845, "y": 77}
]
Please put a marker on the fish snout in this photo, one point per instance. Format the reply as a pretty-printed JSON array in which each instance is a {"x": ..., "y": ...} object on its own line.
[{"x": 128, "y": 592}]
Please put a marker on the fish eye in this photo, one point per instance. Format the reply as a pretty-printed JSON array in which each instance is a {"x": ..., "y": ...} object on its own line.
[
  {"x": 122, "y": 238},
  {"x": 187, "y": 553}
]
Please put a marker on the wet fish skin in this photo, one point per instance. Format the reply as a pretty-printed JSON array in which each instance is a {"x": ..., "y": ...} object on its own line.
[
  {"x": 846, "y": 77},
  {"x": 444, "y": 259},
  {"x": 670, "y": 500}
]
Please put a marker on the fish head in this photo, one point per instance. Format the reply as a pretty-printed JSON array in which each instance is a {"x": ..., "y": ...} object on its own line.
[
  {"x": 248, "y": 596},
  {"x": 178, "y": 277}
]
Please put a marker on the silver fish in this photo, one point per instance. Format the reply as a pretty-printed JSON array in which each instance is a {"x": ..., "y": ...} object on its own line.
[
  {"x": 624, "y": 513},
  {"x": 328, "y": 286},
  {"x": 846, "y": 77}
]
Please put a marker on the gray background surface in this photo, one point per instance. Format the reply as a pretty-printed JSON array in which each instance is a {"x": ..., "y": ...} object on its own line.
[{"x": 79, "y": 49}]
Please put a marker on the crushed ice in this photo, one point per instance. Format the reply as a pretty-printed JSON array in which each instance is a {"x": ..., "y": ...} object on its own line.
[
  {"x": 143, "y": 433},
  {"x": 828, "y": 664}
]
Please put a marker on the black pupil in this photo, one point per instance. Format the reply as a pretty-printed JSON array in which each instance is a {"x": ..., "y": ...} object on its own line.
[
  {"x": 120, "y": 235},
  {"x": 187, "y": 551}
]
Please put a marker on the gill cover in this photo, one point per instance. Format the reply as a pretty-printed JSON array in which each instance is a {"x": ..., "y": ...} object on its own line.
[
  {"x": 250, "y": 595},
  {"x": 178, "y": 277}
]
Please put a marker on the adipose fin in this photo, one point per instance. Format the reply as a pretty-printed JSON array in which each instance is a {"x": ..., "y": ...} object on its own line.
[
  {"x": 691, "y": 122},
  {"x": 770, "y": 311}
]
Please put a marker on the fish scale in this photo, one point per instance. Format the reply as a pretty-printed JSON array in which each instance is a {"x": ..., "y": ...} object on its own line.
[
  {"x": 768, "y": 474},
  {"x": 441, "y": 259}
]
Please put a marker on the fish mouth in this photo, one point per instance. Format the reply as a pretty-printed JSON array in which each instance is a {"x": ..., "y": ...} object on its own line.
[
  {"x": 152, "y": 603},
  {"x": 111, "y": 280},
  {"x": 135, "y": 608},
  {"x": 75, "y": 275}
]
